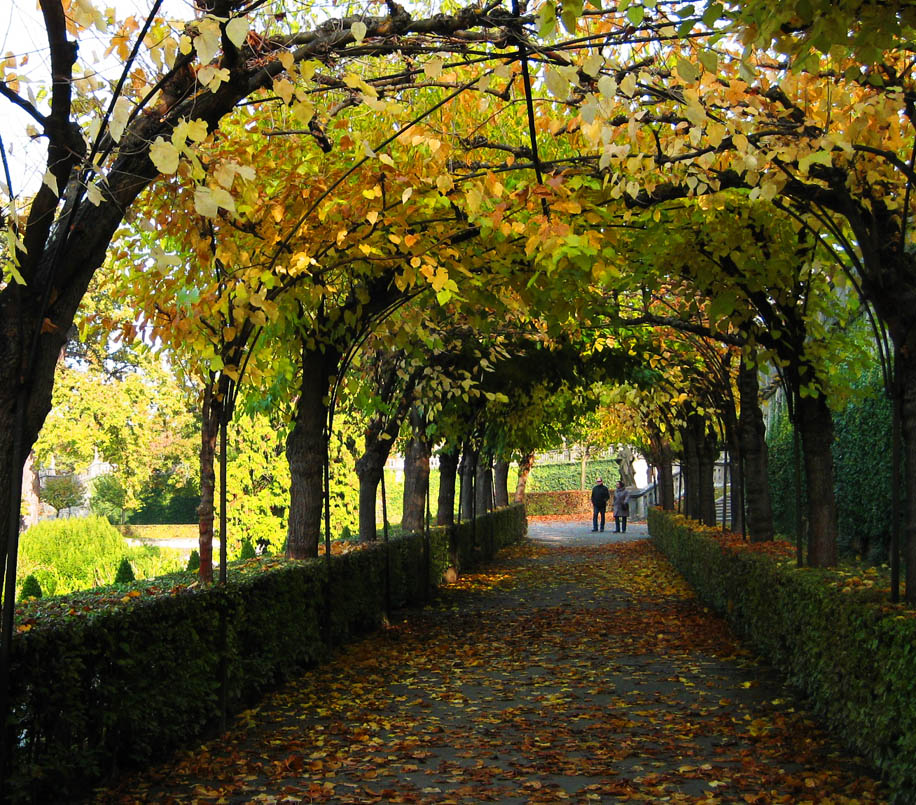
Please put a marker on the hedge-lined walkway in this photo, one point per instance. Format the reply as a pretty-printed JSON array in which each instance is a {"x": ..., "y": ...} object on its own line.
[{"x": 563, "y": 672}]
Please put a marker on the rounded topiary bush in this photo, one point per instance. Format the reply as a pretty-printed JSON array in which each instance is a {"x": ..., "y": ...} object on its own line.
[
  {"x": 30, "y": 588},
  {"x": 193, "y": 562},
  {"x": 125, "y": 574}
]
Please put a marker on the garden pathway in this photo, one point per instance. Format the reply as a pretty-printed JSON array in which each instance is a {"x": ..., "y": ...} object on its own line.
[{"x": 577, "y": 667}]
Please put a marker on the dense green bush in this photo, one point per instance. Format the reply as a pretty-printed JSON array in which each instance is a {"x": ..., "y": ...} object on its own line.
[
  {"x": 862, "y": 469},
  {"x": 83, "y": 552},
  {"x": 125, "y": 574},
  {"x": 30, "y": 588},
  {"x": 193, "y": 562},
  {"x": 563, "y": 477},
  {"x": 829, "y": 632},
  {"x": 98, "y": 688},
  {"x": 247, "y": 550}
]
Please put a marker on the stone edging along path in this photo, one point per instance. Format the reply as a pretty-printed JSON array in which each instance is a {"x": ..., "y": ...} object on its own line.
[{"x": 576, "y": 667}]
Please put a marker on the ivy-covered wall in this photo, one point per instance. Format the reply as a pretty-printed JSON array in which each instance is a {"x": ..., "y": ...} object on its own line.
[{"x": 862, "y": 467}]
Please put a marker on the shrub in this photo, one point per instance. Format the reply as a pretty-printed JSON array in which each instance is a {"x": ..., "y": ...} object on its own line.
[
  {"x": 125, "y": 574},
  {"x": 138, "y": 676},
  {"x": 830, "y": 633},
  {"x": 73, "y": 554},
  {"x": 193, "y": 562},
  {"x": 247, "y": 550},
  {"x": 30, "y": 588},
  {"x": 84, "y": 552}
]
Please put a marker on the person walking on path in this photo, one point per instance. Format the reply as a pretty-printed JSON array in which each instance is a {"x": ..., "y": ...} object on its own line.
[
  {"x": 621, "y": 508},
  {"x": 600, "y": 496}
]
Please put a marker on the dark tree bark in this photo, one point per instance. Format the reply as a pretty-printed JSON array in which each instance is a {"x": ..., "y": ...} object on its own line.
[
  {"x": 752, "y": 433},
  {"x": 691, "y": 469},
  {"x": 448, "y": 472},
  {"x": 369, "y": 468},
  {"x": 662, "y": 457},
  {"x": 483, "y": 485},
  {"x": 708, "y": 450},
  {"x": 501, "y": 482},
  {"x": 467, "y": 471},
  {"x": 306, "y": 451},
  {"x": 815, "y": 423},
  {"x": 209, "y": 431},
  {"x": 416, "y": 473},
  {"x": 525, "y": 463}
]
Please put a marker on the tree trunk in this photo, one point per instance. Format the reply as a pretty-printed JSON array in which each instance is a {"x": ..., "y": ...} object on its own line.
[
  {"x": 209, "y": 431},
  {"x": 691, "y": 470},
  {"x": 501, "y": 482},
  {"x": 525, "y": 463},
  {"x": 815, "y": 423},
  {"x": 662, "y": 457},
  {"x": 752, "y": 434},
  {"x": 306, "y": 451},
  {"x": 483, "y": 485},
  {"x": 708, "y": 453},
  {"x": 448, "y": 471},
  {"x": 369, "y": 469},
  {"x": 467, "y": 470},
  {"x": 31, "y": 492},
  {"x": 416, "y": 474}
]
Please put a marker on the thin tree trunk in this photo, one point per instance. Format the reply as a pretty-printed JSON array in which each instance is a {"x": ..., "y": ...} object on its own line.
[
  {"x": 708, "y": 453},
  {"x": 466, "y": 470},
  {"x": 483, "y": 485},
  {"x": 501, "y": 482},
  {"x": 755, "y": 478},
  {"x": 525, "y": 463},
  {"x": 816, "y": 425},
  {"x": 416, "y": 473},
  {"x": 691, "y": 469},
  {"x": 31, "y": 485},
  {"x": 306, "y": 450},
  {"x": 448, "y": 471},
  {"x": 209, "y": 431}
]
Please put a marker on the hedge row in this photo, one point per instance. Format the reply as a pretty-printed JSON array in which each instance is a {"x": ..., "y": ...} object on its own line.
[
  {"x": 560, "y": 477},
  {"x": 831, "y": 635},
  {"x": 119, "y": 687},
  {"x": 156, "y": 532},
  {"x": 574, "y": 502}
]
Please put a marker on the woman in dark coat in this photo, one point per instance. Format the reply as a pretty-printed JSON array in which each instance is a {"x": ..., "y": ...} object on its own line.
[{"x": 621, "y": 507}]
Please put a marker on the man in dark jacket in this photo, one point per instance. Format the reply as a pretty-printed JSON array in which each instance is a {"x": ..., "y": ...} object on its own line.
[{"x": 600, "y": 496}]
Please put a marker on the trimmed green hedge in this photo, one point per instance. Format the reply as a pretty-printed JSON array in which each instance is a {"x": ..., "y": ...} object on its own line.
[
  {"x": 161, "y": 531},
  {"x": 571, "y": 502},
  {"x": 563, "y": 477},
  {"x": 853, "y": 654},
  {"x": 121, "y": 686}
]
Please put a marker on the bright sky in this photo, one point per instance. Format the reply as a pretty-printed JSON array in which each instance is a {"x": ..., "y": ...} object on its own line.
[{"x": 23, "y": 33}]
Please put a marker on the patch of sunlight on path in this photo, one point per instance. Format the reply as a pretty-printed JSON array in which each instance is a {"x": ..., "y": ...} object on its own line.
[{"x": 576, "y": 667}]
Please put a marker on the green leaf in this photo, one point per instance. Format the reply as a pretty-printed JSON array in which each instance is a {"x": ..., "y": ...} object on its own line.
[
  {"x": 636, "y": 14},
  {"x": 687, "y": 70}
]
